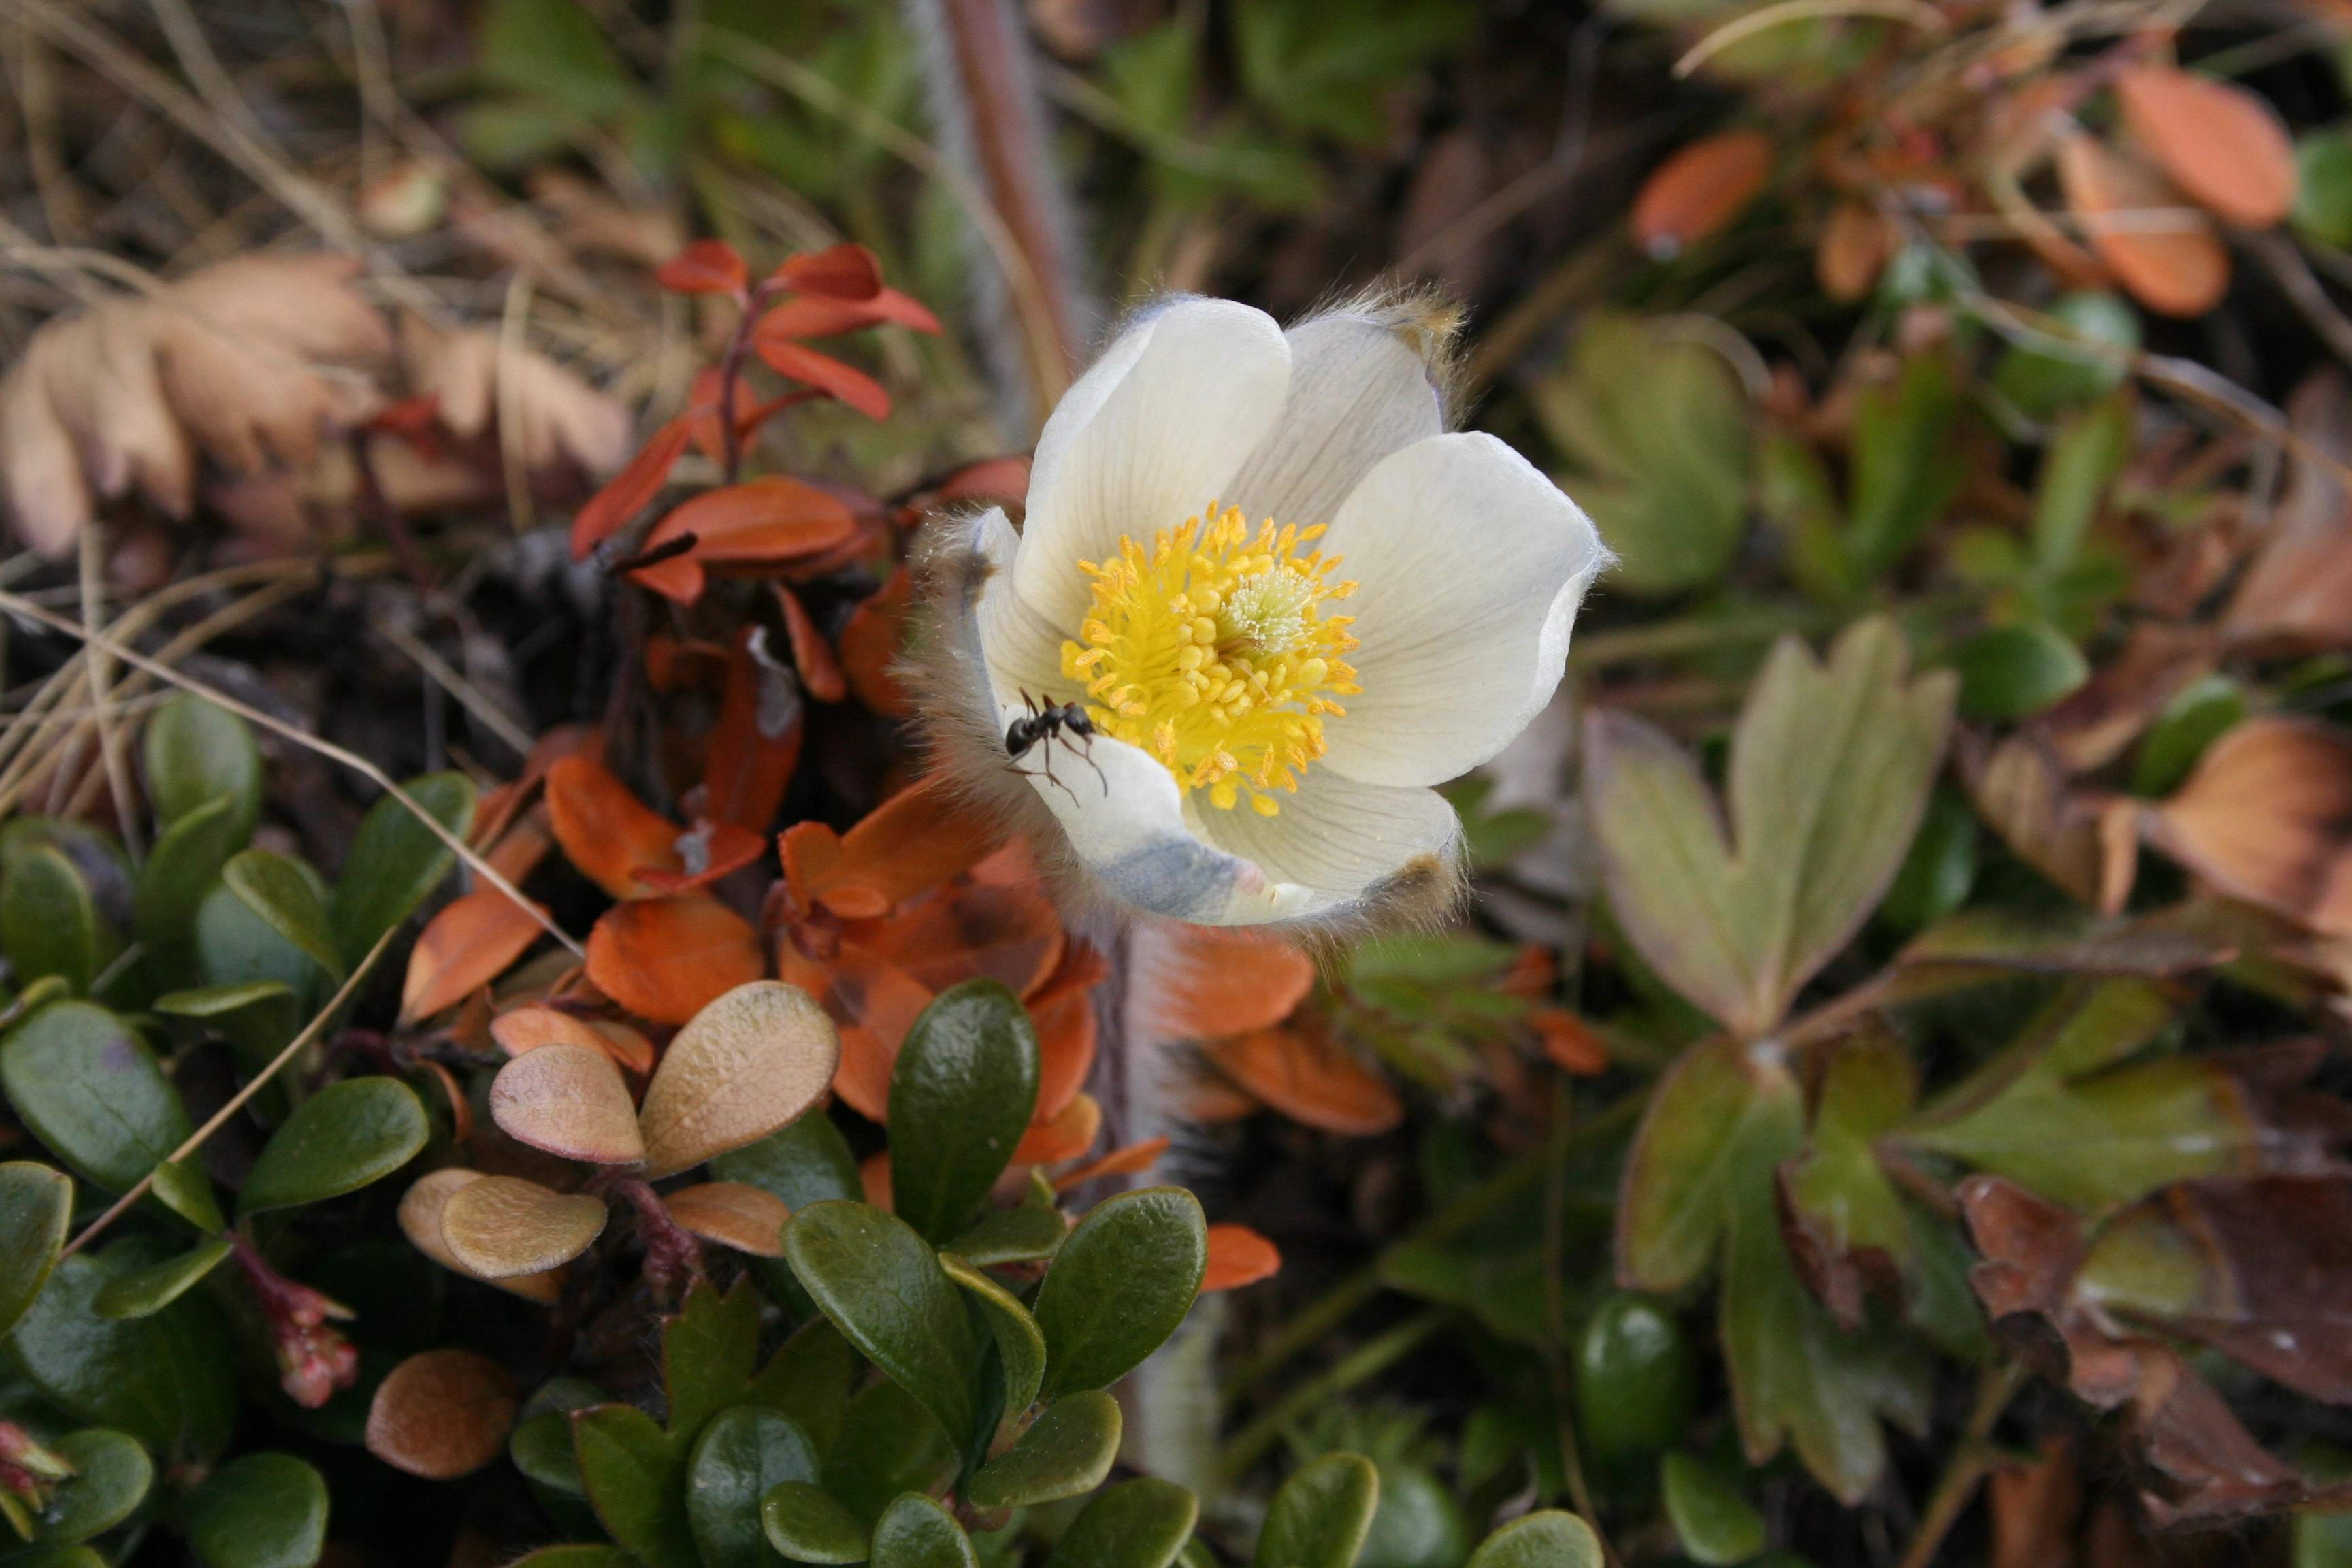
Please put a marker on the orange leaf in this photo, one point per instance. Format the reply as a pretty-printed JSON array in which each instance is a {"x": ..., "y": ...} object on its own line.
[
  {"x": 1855, "y": 243},
  {"x": 2219, "y": 143},
  {"x": 745, "y": 1218},
  {"x": 1700, "y": 190},
  {"x": 1118, "y": 1163},
  {"x": 2164, "y": 253},
  {"x": 2263, "y": 819},
  {"x": 853, "y": 386},
  {"x": 665, "y": 959},
  {"x": 519, "y": 851},
  {"x": 1202, "y": 982},
  {"x": 869, "y": 644},
  {"x": 757, "y": 741},
  {"x": 1313, "y": 1081},
  {"x": 1213, "y": 1098},
  {"x": 768, "y": 519},
  {"x": 1066, "y": 1136},
  {"x": 820, "y": 672},
  {"x": 838, "y": 272},
  {"x": 468, "y": 944},
  {"x": 873, "y": 1180},
  {"x": 628, "y": 492},
  {"x": 1008, "y": 935},
  {"x": 814, "y": 316},
  {"x": 916, "y": 839},
  {"x": 443, "y": 1413},
  {"x": 710, "y": 851},
  {"x": 1065, "y": 1047},
  {"x": 607, "y": 831},
  {"x": 873, "y": 1002},
  {"x": 1569, "y": 1041},
  {"x": 536, "y": 1024},
  {"x": 706, "y": 266},
  {"x": 1238, "y": 1256},
  {"x": 991, "y": 479}
]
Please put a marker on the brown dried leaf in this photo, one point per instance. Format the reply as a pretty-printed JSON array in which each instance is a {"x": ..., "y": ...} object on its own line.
[
  {"x": 473, "y": 380},
  {"x": 747, "y": 1064},
  {"x": 501, "y": 1227},
  {"x": 443, "y": 1413},
  {"x": 2219, "y": 143},
  {"x": 420, "y": 1221},
  {"x": 2263, "y": 819},
  {"x": 2071, "y": 836},
  {"x": 2091, "y": 728},
  {"x": 733, "y": 1214},
  {"x": 568, "y": 1099},
  {"x": 2165, "y": 252},
  {"x": 1856, "y": 242},
  {"x": 2297, "y": 594},
  {"x": 2034, "y": 1508}
]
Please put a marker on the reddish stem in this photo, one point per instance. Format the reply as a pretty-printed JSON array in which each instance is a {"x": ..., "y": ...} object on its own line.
[
  {"x": 313, "y": 1361},
  {"x": 730, "y": 365},
  {"x": 673, "y": 1255}
]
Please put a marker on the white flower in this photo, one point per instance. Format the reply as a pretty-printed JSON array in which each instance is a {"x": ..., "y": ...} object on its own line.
[{"x": 1289, "y": 603}]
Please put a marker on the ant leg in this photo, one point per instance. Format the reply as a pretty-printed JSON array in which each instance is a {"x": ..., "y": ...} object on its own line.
[{"x": 1087, "y": 755}]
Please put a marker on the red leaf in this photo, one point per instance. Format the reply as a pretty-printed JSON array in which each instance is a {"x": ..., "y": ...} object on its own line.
[
  {"x": 820, "y": 672},
  {"x": 1700, "y": 189},
  {"x": 1066, "y": 1136},
  {"x": 840, "y": 272},
  {"x": 2219, "y": 143},
  {"x": 666, "y": 959},
  {"x": 768, "y": 519},
  {"x": 1118, "y": 1163},
  {"x": 628, "y": 492},
  {"x": 1238, "y": 1256},
  {"x": 757, "y": 741},
  {"x": 468, "y": 944},
  {"x": 814, "y": 316},
  {"x": 854, "y": 387},
  {"x": 706, "y": 266},
  {"x": 609, "y": 834},
  {"x": 916, "y": 839}
]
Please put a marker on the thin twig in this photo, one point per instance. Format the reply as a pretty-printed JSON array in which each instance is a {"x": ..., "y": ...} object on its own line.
[
  {"x": 1965, "y": 1468},
  {"x": 514, "y": 322},
  {"x": 2303, "y": 288},
  {"x": 1918, "y": 13}
]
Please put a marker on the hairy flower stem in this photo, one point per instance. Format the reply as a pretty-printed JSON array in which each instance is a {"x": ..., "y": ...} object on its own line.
[{"x": 673, "y": 1255}]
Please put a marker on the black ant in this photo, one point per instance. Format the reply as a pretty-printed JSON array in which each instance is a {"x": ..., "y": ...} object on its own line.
[{"x": 1046, "y": 724}]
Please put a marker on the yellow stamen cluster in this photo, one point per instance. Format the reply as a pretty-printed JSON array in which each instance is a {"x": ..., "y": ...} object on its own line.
[{"x": 1211, "y": 652}]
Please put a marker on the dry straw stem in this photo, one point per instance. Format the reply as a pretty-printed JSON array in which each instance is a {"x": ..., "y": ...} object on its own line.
[
  {"x": 1917, "y": 12},
  {"x": 344, "y": 994},
  {"x": 470, "y": 697},
  {"x": 17, "y": 604}
]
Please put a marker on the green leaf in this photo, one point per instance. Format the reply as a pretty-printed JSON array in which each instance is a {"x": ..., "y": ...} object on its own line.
[
  {"x": 1318, "y": 1518},
  {"x": 1140, "y": 1523},
  {"x": 576, "y": 1554},
  {"x": 1906, "y": 466},
  {"x": 2088, "y": 451},
  {"x": 264, "y": 1510},
  {"x": 1020, "y": 1343},
  {"x": 50, "y": 922},
  {"x": 916, "y": 1532},
  {"x": 111, "y": 1475},
  {"x": 286, "y": 899},
  {"x": 1830, "y": 770},
  {"x": 804, "y": 1523},
  {"x": 145, "y": 1291},
  {"x": 1637, "y": 1383},
  {"x": 197, "y": 751},
  {"x": 541, "y": 1445},
  {"x": 396, "y": 861},
  {"x": 185, "y": 866},
  {"x": 1417, "y": 1524},
  {"x": 183, "y": 1187},
  {"x": 1657, "y": 426},
  {"x": 744, "y": 1454},
  {"x": 2041, "y": 383},
  {"x": 888, "y": 1443},
  {"x": 552, "y": 48},
  {"x": 1068, "y": 1449},
  {"x": 35, "y": 1210},
  {"x": 259, "y": 1018},
  {"x": 338, "y": 1140},
  {"x": 2191, "y": 721},
  {"x": 1941, "y": 868},
  {"x": 1840, "y": 1207},
  {"x": 92, "y": 1091},
  {"x": 635, "y": 1476},
  {"x": 1723, "y": 1115},
  {"x": 961, "y": 1092},
  {"x": 235, "y": 946},
  {"x": 709, "y": 1349},
  {"x": 882, "y": 1286},
  {"x": 75, "y": 1556},
  {"x": 1023, "y": 1235},
  {"x": 1546, "y": 1539},
  {"x": 806, "y": 1162},
  {"x": 1715, "y": 1524},
  {"x": 168, "y": 1379},
  {"x": 2008, "y": 672},
  {"x": 809, "y": 1378},
  {"x": 1119, "y": 1286}
]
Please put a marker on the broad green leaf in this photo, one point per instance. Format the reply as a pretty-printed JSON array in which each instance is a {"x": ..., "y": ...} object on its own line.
[
  {"x": 883, "y": 1287},
  {"x": 806, "y": 1162},
  {"x": 961, "y": 1092},
  {"x": 576, "y": 1554},
  {"x": 744, "y": 1454},
  {"x": 259, "y": 1018},
  {"x": 1723, "y": 1115},
  {"x": 396, "y": 861},
  {"x": 36, "y": 1208},
  {"x": 185, "y": 866},
  {"x": 636, "y": 1477},
  {"x": 2042, "y": 382},
  {"x": 1842, "y": 1208},
  {"x": 1318, "y": 1518},
  {"x": 111, "y": 1475},
  {"x": 50, "y": 922},
  {"x": 1068, "y": 1449},
  {"x": 803, "y": 1522},
  {"x": 235, "y": 946},
  {"x": 2089, "y": 449},
  {"x": 1023, "y": 1235},
  {"x": 1546, "y": 1539},
  {"x": 809, "y": 1378},
  {"x": 1119, "y": 1286},
  {"x": 888, "y": 1443},
  {"x": 2191, "y": 721},
  {"x": 183, "y": 1187},
  {"x": 195, "y": 753},
  {"x": 91, "y": 1090},
  {"x": 1657, "y": 427},
  {"x": 1906, "y": 466},
  {"x": 1637, "y": 1382},
  {"x": 709, "y": 1349},
  {"x": 1136, "y": 1524},
  {"x": 147, "y": 1290},
  {"x": 264, "y": 1510},
  {"x": 1830, "y": 770},
  {"x": 286, "y": 899},
  {"x": 541, "y": 1444},
  {"x": 916, "y": 1532},
  {"x": 168, "y": 1379},
  {"x": 1417, "y": 1523},
  {"x": 554, "y": 48},
  {"x": 1020, "y": 1343},
  {"x": 1715, "y": 1525},
  {"x": 2010, "y": 671},
  {"x": 1941, "y": 868},
  {"x": 338, "y": 1140}
]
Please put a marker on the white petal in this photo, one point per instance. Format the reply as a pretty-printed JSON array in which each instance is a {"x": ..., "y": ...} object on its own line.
[
  {"x": 1021, "y": 651},
  {"x": 1162, "y": 444},
  {"x": 1472, "y": 565},
  {"x": 1357, "y": 394},
  {"x": 1336, "y": 835},
  {"x": 1084, "y": 400},
  {"x": 1127, "y": 824}
]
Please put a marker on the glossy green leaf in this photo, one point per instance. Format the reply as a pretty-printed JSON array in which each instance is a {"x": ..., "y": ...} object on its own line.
[
  {"x": 916, "y": 1532},
  {"x": 75, "y": 1556},
  {"x": 338, "y": 1140},
  {"x": 50, "y": 922},
  {"x": 2084, "y": 458},
  {"x": 236, "y": 946},
  {"x": 2041, "y": 382},
  {"x": 576, "y": 1554},
  {"x": 1318, "y": 1517},
  {"x": 1417, "y": 1523},
  {"x": 169, "y": 1380},
  {"x": 195, "y": 753},
  {"x": 961, "y": 1092},
  {"x": 287, "y": 900},
  {"x": 1119, "y": 1286},
  {"x": 2195, "y": 717},
  {"x": 806, "y": 1162},
  {"x": 1136, "y": 1524},
  {"x": 1906, "y": 467},
  {"x": 1715, "y": 1525},
  {"x": 1023, "y": 1235},
  {"x": 636, "y": 1477},
  {"x": 91, "y": 1090},
  {"x": 264, "y": 1510},
  {"x": 185, "y": 866},
  {"x": 36, "y": 1208},
  {"x": 183, "y": 1187},
  {"x": 803, "y": 1522},
  {"x": 1940, "y": 868},
  {"x": 1068, "y": 1449},
  {"x": 540, "y": 1444},
  {"x": 259, "y": 1018},
  {"x": 744, "y": 1454},
  {"x": 1636, "y": 1380},
  {"x": 709, "y": 1349},
  {"x": 1020, "y": 1343},
  {"x": 1546, "y": 1539},
  {"x": 396, "y": 861},
  {"x": 111, "y": 1475},
  {"x": 882, "y": 1286},
  {"x": 888, "y": 1443},
  {"x": 2008, "y": 672},
  {"x": 809, "y": 1378},
  {"x": 147, "y": 1290}
]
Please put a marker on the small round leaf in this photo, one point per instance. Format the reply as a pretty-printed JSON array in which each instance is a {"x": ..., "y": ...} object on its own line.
[
  {"x": 1715, "y": 1524},
  {"x": 1140, "y": 1523},
  {"x": 111, "y": 1475},
  {"x": 442, "y": 1413},
  {"x": 1319, "y": 1517},
  {"x": 264, "y": 1510},
  {"x": 501, "y": 1227},
  {"x": 746, "y": 1065},
  {"x": 1119, "y": 1286},
  {"x": 420, "y": 1221},
  {"x": 745, "y": 1452},
  {"x": 883, "y": 1287},
  {"x": 338, "y": 1140},
  {"x": 803, "y": 1522},
  {"x": 916, "y": 1532},
  {"x": 568, "y": 1099},
  {"x": 35, "y": 1208},
  {"x": 1066, "y": 1450},
  {"x": 961, "y": 1093},
  {"x": 733, "y": 1214},
  {"x": 1547, "y": 1539}
]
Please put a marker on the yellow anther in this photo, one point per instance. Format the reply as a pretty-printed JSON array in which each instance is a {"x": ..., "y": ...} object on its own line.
[{"x": 1265, "y": 806}]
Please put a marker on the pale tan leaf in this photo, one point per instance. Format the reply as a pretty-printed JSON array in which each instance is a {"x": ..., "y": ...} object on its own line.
[
  {"x": 501, "y": 1227},
  {"x": 2263, "y": 819},
  {"x": 560, "y": 416},
  {"x": 568, "y": 1099},
  {"x": 747, "y": 1064},
  {"x": 733, "y": 1214},
  {"x": 2020, "y": 788},
  {"x": 443, "y": 1413},
  {"x": 420, "y": 1221},
  {"x": 2297, "y": 594}
]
